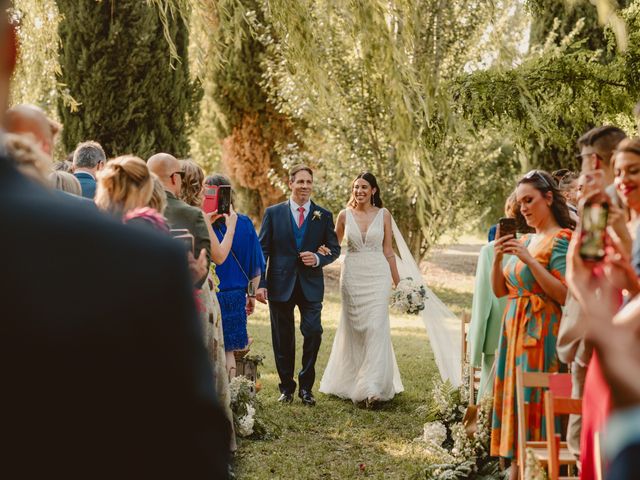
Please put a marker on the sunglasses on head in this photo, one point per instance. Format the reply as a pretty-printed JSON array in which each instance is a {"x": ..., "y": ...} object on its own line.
[{"x": 537, "y": 173}]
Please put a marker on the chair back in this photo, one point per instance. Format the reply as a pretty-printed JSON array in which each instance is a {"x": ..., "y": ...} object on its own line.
[
  {"x": 557, "y": 406},
  {"x": 531, "y": 380}
]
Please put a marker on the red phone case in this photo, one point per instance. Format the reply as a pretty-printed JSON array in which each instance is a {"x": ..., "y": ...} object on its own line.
[{"x": 210, "y": 203}]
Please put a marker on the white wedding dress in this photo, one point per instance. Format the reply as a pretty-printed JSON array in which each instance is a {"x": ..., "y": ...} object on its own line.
[{"x": 362, "y": 363}]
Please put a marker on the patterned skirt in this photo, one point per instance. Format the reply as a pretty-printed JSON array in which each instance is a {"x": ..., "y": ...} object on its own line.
[{"x": 234, "y": 319}]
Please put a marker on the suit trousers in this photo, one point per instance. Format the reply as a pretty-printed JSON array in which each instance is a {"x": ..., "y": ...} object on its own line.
[{"x": 284, "y": 339}]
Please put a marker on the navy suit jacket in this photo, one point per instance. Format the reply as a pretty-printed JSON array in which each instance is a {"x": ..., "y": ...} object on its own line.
[
  {"x": 284, "y": 266},
  {"x": 87, "y": 183}
]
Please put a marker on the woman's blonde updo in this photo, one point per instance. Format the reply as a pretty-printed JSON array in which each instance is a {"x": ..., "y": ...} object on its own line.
[
  {"x": 124, "y": 183},
  {"x": 192, "y": 184}
]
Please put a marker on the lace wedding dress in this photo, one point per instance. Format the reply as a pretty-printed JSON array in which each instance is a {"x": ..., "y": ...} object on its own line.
[{"x": 362, "y": 363}]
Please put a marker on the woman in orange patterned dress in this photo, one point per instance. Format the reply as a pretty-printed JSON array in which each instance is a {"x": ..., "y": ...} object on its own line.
[{"x": 533, "y": 280}]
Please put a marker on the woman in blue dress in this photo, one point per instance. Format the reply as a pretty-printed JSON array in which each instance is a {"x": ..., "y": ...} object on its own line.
[{"x": 243, "y": 266}]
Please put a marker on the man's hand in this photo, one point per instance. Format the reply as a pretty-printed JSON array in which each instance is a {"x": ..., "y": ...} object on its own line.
[
  {"x": 198, "y": 268},
  {"x": 309, "y": 259},
  {"x": 262, "y": 296}
]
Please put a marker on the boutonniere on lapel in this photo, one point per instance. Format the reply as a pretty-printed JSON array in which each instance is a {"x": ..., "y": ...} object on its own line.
[{"x": 317, "y": 215}]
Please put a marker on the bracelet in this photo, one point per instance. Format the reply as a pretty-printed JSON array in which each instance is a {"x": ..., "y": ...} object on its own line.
[{"x": 251, "y": 296}]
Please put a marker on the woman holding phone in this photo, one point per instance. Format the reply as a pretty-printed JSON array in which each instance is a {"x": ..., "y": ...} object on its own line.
[
  {"x": 533, "y": 280},
  {"x": 192, "y": 193},
  {"x": 239, "y": 276}
]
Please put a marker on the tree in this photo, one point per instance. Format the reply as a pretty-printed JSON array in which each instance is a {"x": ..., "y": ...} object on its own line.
[
  {"x": 368, "y": 83},
  {"x": 133, "y": 95},
  {"x": 246, "y": 122}
]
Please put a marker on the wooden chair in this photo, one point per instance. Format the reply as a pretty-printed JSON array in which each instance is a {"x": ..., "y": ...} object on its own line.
[
  {"x": 539, "y": 448},
  {"x": 557, "y": 454}
]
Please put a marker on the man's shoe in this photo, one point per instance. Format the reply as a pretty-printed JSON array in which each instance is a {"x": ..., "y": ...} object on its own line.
[
  {"x": 286, "y": 398},
  {"x": 307, "y": 397}
]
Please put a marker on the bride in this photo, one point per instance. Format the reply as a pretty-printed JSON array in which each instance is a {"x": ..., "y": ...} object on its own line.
[{"x": 362, "y": 365}]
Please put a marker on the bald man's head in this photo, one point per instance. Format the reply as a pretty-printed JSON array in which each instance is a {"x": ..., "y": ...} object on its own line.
[
  {"x": 168, "y": 169},
  {"x": 32, "y": 121}
]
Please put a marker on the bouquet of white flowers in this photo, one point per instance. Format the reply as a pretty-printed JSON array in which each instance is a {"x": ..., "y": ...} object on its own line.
[{"x": 408, "y": 297}]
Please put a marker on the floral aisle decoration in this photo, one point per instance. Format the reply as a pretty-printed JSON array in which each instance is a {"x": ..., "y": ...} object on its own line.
[
  {"x": 459, "y": 455},
  {"x": 408, "y": 297},
  {"x": 245, "y": 405}
]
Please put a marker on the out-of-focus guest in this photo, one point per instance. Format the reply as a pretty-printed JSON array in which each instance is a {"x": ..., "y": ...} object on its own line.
[
  {"x": 627, "y": 182},
  {"x": 63, "y": 166},
  {"x": 596, "y": 149},
  {"x": 243, "y": 267},
  {"x": 124, "y": 184},
  {"x": 88, "y": 159},
  {"x": 534, "y": 283},
  {"x": 116, "y": 382},
  {"x": 29, "y": 158},
  {"x": 210, "y": 315},
  {"x": 65, "y": 182},
  {"x": 614, "y": 334},
  {"x": 568, "y": 185},
  {"x": 487, "y": 311},
  {"x": 33, "y": 121},
  {"x": 179, "y": 214}
]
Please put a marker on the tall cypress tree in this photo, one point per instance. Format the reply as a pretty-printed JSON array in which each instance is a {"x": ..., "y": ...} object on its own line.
[{"x": 116, "y": 62}]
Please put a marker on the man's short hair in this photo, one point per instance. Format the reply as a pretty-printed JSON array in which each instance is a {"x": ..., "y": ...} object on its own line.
[
  {"x": 299, "y": 168},
  {"x": 88, "y": 155},
  {"x": 604, "y": 139}
]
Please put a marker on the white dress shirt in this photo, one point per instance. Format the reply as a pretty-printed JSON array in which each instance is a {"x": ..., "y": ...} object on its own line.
[
  {"x": 296, "y": 215},
  {"x": 294, "y": 209}
]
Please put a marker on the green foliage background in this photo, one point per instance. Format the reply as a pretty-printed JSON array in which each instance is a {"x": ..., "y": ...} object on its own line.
[
  {"x": 116, "y": 63},
  {"x": 447, "y": 102}
]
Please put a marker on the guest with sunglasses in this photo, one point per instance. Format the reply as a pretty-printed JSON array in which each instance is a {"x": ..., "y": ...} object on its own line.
[
  {"x": 181, "y": 215},
  {"x": 534, "y": 284}
]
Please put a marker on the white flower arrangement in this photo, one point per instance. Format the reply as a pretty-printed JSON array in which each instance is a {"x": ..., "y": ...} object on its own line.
[
  {"x": 459, "y": 455},
  {"x": 408, "y": 297},
  {"x": 244, "y": 405},
  {"x": 317, "y": 215}
]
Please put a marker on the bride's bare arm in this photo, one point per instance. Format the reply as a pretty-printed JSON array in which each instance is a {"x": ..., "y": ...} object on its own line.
[
  {"x": 340, "y": 226},
  {"x": 387, "y": 247}
]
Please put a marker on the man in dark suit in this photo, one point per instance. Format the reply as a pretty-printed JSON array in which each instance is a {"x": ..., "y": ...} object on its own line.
[
  {"x": 181, "y": 215},
  {"x": 104, "y": 375},
  {"x": 88, "y": 159},
  {"x": 291, "y": 233}
]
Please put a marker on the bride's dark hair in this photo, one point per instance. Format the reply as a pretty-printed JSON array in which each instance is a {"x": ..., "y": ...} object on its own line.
[{"x": 368, "y": 177}]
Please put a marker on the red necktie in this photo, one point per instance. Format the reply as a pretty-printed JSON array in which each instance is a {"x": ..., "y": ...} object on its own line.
[{"x": 300, "y": 217}]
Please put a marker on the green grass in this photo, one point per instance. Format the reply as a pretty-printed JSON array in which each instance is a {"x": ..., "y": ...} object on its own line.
[{"x": 332, "y": 439}]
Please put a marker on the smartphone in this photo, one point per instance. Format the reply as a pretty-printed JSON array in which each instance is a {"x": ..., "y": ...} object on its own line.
[
  {"x": 507, "y": 226},
  {"x": 594, "y": 226},
  {"x": 217, "y": 198},
  {"x": 186, "y": 240}
]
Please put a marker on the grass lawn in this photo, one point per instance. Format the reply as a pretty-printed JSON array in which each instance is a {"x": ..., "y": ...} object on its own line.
[{"x": 336, "y": 439}]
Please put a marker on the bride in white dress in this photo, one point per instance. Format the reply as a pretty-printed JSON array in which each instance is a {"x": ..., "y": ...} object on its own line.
[{"x": 362, "y": 365}]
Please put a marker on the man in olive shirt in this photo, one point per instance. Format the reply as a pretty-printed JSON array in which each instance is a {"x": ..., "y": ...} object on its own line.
[{"x": 181, "y": 215}]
